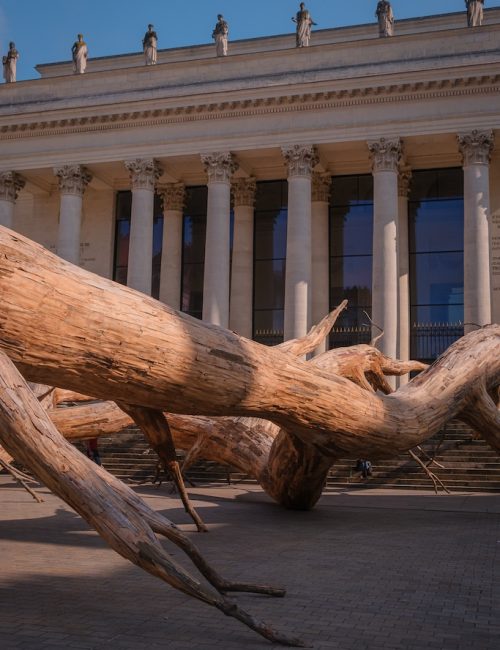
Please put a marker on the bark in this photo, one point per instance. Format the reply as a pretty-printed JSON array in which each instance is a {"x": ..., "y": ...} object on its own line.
[{"x": 126, "y": 523}]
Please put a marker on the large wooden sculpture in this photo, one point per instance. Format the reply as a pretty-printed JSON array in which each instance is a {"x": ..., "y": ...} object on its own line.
[{"x": 262, "y": 408}]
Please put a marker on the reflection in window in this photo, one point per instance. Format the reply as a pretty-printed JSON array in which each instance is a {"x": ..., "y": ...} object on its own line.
[
  {"x": 122, "y": 240},
  {"x": 351, "y": 236},
  {"x": 269, "y": 261},
  {"x": 436, "y": 241}
]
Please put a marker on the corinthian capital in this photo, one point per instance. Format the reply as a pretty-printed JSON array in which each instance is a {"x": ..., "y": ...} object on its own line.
[
  {"x": 244, "y": 191},
  {"x": 173, "y": 195},
  {"x": 219, "y": 166},
  {"x": 404, "y": 182},
  {"x": 321, "y": 187},
  {"x": 73, "y": 179},
  {"x": 144, "y": 172},
  {"x": 385, "y": 154},
  {"x": 10, "y": 186},
  {"x": 476, "y": 147},
  {"x": 301, "y": 159}
]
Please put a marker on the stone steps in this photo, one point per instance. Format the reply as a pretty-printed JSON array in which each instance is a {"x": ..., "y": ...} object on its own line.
[{"x": 469, "y": 464}]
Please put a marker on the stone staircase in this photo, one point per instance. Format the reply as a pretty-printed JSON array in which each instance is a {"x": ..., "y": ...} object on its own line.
[{"x": 469, "y": 464}]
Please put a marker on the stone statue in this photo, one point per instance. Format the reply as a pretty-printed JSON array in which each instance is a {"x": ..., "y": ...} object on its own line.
[
  {"x": 150, "y": 46},
  {"x": 475, "y": 12},
  {"x": 220, "y": 35},
  {"x": 10, "y": 64},
  {"x": 80, "y": 53},
  {"x": 385, "y": 19},
  {"x": 304, "y": 24}
]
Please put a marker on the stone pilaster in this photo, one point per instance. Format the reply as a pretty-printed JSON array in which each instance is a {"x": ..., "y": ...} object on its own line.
[
  {"x": 386, "y": 155},
  {"x": 219, "y": 167},
  {"x": 241, "y": 302},
  {"x": 11, "y": 184},
  {"x": 476, "y": 148},
  {"x": 320, "y": 229},
  {"x": 73, "y": 181},
  {"x": 174, "y": 197},
  {"x": 404, "y": 329},
  {"x": 301, "y": 160},
  {"x": 144, "y": 174}
]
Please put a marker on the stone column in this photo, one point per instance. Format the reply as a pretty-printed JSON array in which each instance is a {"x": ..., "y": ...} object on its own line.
[
  {"x": 144, "y": 172},
  {"x": 10, "y": 186},
  {"x": 321, "y": 188},
  {"x": 404, "y": 332},
  {"x": 476, "y": 148},
  {"x": 301, "y": 161},
  {"x": 219, "y": 167},
  {"x": 385, "y": 155},
  {"x": 241, "y": 303},
  {"x": 174, "y": 196},
  {"x": 73, "y": 181}
]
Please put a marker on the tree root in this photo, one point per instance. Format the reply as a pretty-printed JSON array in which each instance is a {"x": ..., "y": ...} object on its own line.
[{"x": 116, "y": 513}]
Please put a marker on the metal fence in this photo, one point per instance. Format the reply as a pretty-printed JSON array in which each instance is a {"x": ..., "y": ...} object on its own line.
[
  {"x": 342, "y": 337},
  {"x": 429, "y": 340}
]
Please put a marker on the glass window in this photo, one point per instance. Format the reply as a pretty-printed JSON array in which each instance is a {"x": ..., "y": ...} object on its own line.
[
  {"x": 436, "y": 244},
  {"x": 193, "y": 250},
  {"x": 269, "y": 261},
  {"x": 351, "y": 241}
]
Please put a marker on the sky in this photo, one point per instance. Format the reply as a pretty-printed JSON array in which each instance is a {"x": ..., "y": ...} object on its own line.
[{"x": 44, "y": 30}]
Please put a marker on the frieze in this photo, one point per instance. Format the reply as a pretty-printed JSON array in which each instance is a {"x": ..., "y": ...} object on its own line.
[{"x": 458, "y": 87}]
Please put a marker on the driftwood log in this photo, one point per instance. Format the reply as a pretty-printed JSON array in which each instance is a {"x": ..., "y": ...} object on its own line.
[{"x": 285, "y": 419}]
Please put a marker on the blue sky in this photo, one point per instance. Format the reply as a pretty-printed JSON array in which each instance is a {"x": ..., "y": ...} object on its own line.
[{"x": 44, "y": 30}]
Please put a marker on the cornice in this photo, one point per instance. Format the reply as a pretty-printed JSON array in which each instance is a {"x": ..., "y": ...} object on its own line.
[{"x": 400, "y": 92}]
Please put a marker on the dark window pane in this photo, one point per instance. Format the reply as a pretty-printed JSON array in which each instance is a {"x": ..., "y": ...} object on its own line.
[
  {"x": 123, "y": 205},
  {"x": 345, "y": 190},
  {"x": 271, "y": 196},
  {"x": 437, "y": 279},
  {"x": 269, "y": 283},
  {"x": 451, "y": 183},
  {"x": 192, "y": 287},
  {"x": 366, "y": 188},
  {"x": 268, "y": 326},
  {"x": 436, "y": 226},
  {"x": 194, "y": 239},
  {"x": 122, "y": 243},
  {"x": 270, "y": 235},
  {"x": 424, "y": 185},
  {"x": 121, "y": 274},
  {"x": 351, "y": 230},
  {"x": 196, "y": 200},
  {"x": 351, "y": 278}
]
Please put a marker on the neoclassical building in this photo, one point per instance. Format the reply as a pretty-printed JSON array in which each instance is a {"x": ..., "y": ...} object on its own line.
[{"x": 258, "y": 190}]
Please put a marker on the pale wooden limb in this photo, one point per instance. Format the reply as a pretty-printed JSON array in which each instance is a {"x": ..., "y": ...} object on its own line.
[
  {"x": 155, "y": 427},
  {"x": 28, "y": 435},
  {"x": 21, "y": 478},
  {"x": 434, "y": 478},
  {"x": 315, "y": 336}
]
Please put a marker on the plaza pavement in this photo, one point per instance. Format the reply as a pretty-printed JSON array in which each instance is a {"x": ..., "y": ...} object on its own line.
[{"x": 367, "y": 569}]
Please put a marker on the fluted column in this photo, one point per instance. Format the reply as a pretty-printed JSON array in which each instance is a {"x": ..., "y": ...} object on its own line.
[
  {"x": 385, "y": 155},
  {"x": 404, "y": 329},
  {"x": 476, "y": 148},
  {"x": 144, "y": 172},
  {"x": 219, "y": 167},
  {"x": 301, "y": 161},
  {"x": 321, "y": 188},
  {"x": 73, "y": 181},
  {"x": 174, "y": 196},
  {"x": 241, "y": 303},
  {"x": 10, "y": 186}
]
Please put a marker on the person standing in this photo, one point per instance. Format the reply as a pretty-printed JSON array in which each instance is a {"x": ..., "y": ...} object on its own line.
[
  {"x": 304, "y": 24},
  {"x": 80, "y": 54},
  {"x": 150, "y": 46},
  {"x": 10, "y": 64}
]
